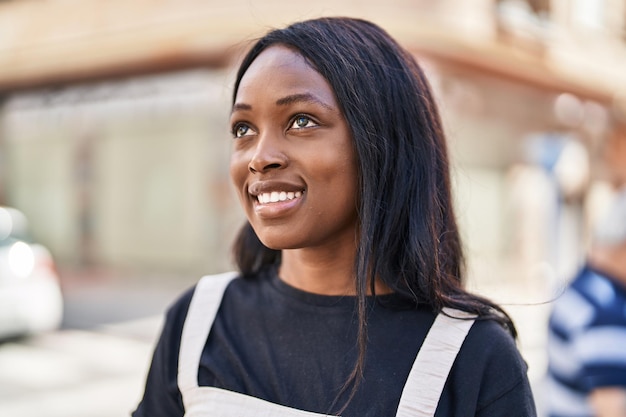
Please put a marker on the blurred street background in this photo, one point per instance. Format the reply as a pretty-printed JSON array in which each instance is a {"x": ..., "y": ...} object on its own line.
[{"x": 115, "y": 146}]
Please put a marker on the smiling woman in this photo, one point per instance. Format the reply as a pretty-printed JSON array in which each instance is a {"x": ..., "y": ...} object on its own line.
[
  {"x": 348, "y": 299},
  {"x": 291, "y": 137}
]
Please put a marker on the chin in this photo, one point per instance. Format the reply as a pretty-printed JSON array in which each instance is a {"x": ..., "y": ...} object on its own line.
[
  {"x": 278, "y": 241},
  {"x": 277, "y": 237},
  {"x": 277, "y": 244}
]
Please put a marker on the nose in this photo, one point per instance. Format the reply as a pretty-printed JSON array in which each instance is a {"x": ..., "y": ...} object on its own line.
[{"x": 268, "y": 155}]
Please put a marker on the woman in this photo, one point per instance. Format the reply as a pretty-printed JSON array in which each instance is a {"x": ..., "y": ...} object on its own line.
[{"x": 351, "y": 254}]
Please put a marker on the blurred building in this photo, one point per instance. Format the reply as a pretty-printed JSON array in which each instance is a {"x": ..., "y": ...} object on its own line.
[
  {"x": 113, "y": 122},
  {"x": 114, "y": 137}
]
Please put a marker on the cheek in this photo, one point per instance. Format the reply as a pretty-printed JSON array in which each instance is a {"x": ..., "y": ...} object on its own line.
[
  {"x": 349, "y": 167},
  {"x": 238, "y": 171},
  {"x": 342, "y": 178}
]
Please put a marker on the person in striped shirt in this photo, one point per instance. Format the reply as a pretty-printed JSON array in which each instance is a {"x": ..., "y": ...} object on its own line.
[{"x": 587, "y": 327}]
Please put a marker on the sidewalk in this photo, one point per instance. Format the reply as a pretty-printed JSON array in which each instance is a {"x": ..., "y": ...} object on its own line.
[{"x": 73, "y": 373}]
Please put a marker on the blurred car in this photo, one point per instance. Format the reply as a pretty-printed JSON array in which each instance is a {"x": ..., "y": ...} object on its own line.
[{"x": 30, "y": 292}]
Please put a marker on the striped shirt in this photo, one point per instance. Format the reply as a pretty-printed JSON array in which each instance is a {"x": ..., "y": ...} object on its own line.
[{"x": 586, "y": 342}]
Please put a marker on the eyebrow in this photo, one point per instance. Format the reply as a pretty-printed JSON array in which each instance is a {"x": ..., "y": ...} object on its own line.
[
  {"x": 302, "y": 98},
  {"x": 287, "y": 100},
  {"x": 241, "y": 106}
]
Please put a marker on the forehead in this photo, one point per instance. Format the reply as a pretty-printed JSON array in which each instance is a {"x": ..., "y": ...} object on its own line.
[{"x": 280, "y": 71}]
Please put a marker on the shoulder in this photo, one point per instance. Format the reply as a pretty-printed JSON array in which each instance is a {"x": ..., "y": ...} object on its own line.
[
  {"x": 213, "y": 286},
  {"x": 490, "y": 372},
  {"x": 488, "y": 340},
  {"x": 161, "y": 395},
  {"x": 176, "y": 312}
]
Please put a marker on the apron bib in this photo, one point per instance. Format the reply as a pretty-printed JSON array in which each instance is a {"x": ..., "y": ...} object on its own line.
[{"x": 420, "y": 395}]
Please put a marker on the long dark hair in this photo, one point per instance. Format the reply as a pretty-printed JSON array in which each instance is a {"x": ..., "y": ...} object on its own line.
[{"x": 408, "y": 235}]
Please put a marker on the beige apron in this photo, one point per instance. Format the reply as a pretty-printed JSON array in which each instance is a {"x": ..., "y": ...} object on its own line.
[{"x": 419, "y": 397}]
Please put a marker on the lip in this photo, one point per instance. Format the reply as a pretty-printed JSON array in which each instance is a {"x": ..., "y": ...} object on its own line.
[
  {"x": 272, "y": 210},
  {"x": 260, "y": 187}
]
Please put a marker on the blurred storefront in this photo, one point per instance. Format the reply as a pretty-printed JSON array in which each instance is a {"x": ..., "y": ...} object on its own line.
[
  {"x": 113, "y": 135},
  {"x": 128, "y": 173}
]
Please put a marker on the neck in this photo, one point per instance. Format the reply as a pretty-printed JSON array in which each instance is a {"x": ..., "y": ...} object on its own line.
[
  {"x": 329, "y": 273},
  {"x": 320, "y": 273}
]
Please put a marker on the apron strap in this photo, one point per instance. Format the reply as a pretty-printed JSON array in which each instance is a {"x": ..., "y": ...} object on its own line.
[
  {"x": 205, "y": 302},
  {"x": 430, "y": 370},
  {"x": 426, "y": 379}
]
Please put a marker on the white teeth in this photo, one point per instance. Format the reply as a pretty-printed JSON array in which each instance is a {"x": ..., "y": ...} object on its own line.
[{"x": 276, "y": 196}]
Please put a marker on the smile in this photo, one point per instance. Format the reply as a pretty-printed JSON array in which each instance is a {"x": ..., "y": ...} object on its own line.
[{"x": 276, "y": 196}]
